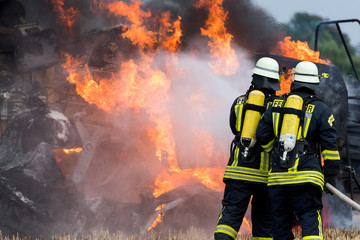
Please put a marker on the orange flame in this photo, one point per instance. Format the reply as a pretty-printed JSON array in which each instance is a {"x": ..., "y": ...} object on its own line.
[
  {"x": 159, "y": 217},
  {"x": 137, "y": 32},
  {"x": 220, "y": 45},
  {"x": 167, "y": 181},
  {"x": 127, "y": 89},
  {"x": 285, "y": 83},
  {"x": 72, "y": 150},
  {"x": 298, "y": 50},
  {"x": 170, "y": 42},
  {"x": 247, "y": 226},
  {"x": 168, "y": 35},
  {"x": 66, "y": 15},
  {"x": 57, "y": 152},
  {"x": 138, "y": 85}
]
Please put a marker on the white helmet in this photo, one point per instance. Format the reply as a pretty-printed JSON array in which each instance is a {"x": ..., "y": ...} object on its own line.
[
  {"x": 306, "y": 72},
  {"x": 267, "y": 67}
]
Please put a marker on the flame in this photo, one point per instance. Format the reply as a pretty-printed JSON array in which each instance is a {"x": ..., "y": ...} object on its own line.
[
  {"x": 220, "y": 45},
  {"x": 128, "y": 89},
  {"x": 246, "y": 225},
  {"x": 298, "y": 50},
  {"x": 137, "y": 32},
  {"x": 162, "y": 137},
  {"x": 169, "y": 180},
  {"x": 170, "y": 42},
  {"x": 72, "y": 150},
  {"x": 57, "y": 158},
  {"x": 66, "y": 15},
  {"x": 138, "y": 85},
  {"x": 67, "y": 151},
  {"x": 159, "y": 217},
  {"x": 285, "y": 83},
  {"x": 168, "y": 35}
]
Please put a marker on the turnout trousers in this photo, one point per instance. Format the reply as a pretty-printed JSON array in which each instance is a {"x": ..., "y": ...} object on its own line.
[
  {"x": 236, "y": 200},
  {"x": 305, "y": 202}
]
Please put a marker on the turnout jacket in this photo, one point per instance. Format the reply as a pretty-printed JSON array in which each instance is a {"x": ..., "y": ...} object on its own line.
[
  {"x": 255, "y": 170},
  {"x": 316, "y": 129}
]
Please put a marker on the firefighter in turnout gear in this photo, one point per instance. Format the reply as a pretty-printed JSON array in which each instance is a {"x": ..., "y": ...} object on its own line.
[
  {"x": 246, "y": 173},
  {"x": 297, "y": 175}
]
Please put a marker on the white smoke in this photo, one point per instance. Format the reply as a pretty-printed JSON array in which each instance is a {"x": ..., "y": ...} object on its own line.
[
  {"x": 201, "y": 100},
  {"x": 198, "y": 103}
]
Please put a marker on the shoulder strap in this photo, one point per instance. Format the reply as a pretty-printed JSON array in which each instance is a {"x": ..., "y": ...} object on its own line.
[{"x": 307, "y": 115}]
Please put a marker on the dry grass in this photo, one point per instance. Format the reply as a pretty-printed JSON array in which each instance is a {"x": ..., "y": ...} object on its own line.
[
  {"x": 335, "y": 234},
  {"x": 190, "y": 234}
]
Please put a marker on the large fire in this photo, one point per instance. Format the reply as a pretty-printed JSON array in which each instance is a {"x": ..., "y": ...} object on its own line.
[
  {"x": 298, "y": 50},
  {"x": 141, "y": 85},
  {"x": 138, "y": 85}
]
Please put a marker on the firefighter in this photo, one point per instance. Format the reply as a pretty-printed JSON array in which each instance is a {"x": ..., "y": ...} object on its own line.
[
  {"x": 247, "y": 169},
  {"x": 299, "y": 128}
]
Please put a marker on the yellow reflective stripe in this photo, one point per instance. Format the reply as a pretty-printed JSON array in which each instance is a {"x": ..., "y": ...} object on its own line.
[
  {"x": 246, "y": 174},
  {"x": 236, "y": 156},
  {"x": 331, "y": 120},
  {"x": 307, "y": 123},
  {"x": 312, "y": 238},
  {"x": 299, "y": 133},
  {"x": 246, "y": 170},
  {"x": 221, "y": 214},
  {"x": 261, "y": 238},
  {"x": 275, "y": 120},
  {"x": 330, "y": 152},
  {"x": 247, "y": 178},
  {"x": 267, "y": 147},
  {"x": 330, "y": 155},
  {"x": 284, "y": 178},
  {"x": 294, "y": 168},
  {"x": 320, "y": 223},
  {"x": 273, "y": 182},
  {"x": 264, "y": 163},
  {"x": 296, "y": 174},
  {"x": 238, "y": 113},
  {"x": 226, "y": 230}
]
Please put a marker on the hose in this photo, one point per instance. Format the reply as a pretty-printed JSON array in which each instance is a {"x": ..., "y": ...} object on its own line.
[{"x": 342, "y": 196}]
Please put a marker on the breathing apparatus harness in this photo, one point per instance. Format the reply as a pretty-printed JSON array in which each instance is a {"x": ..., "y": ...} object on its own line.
[
  {"x": 298, "y": 144},
  {"x": 253, "y": 109}
]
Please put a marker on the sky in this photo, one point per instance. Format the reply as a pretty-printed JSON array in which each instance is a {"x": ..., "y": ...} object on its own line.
[{"x": 283, "y": 10}]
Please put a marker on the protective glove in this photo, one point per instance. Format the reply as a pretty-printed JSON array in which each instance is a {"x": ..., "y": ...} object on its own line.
[
  {"x": 331, "y": 170},
  {"x": 330, "y": 179}
]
